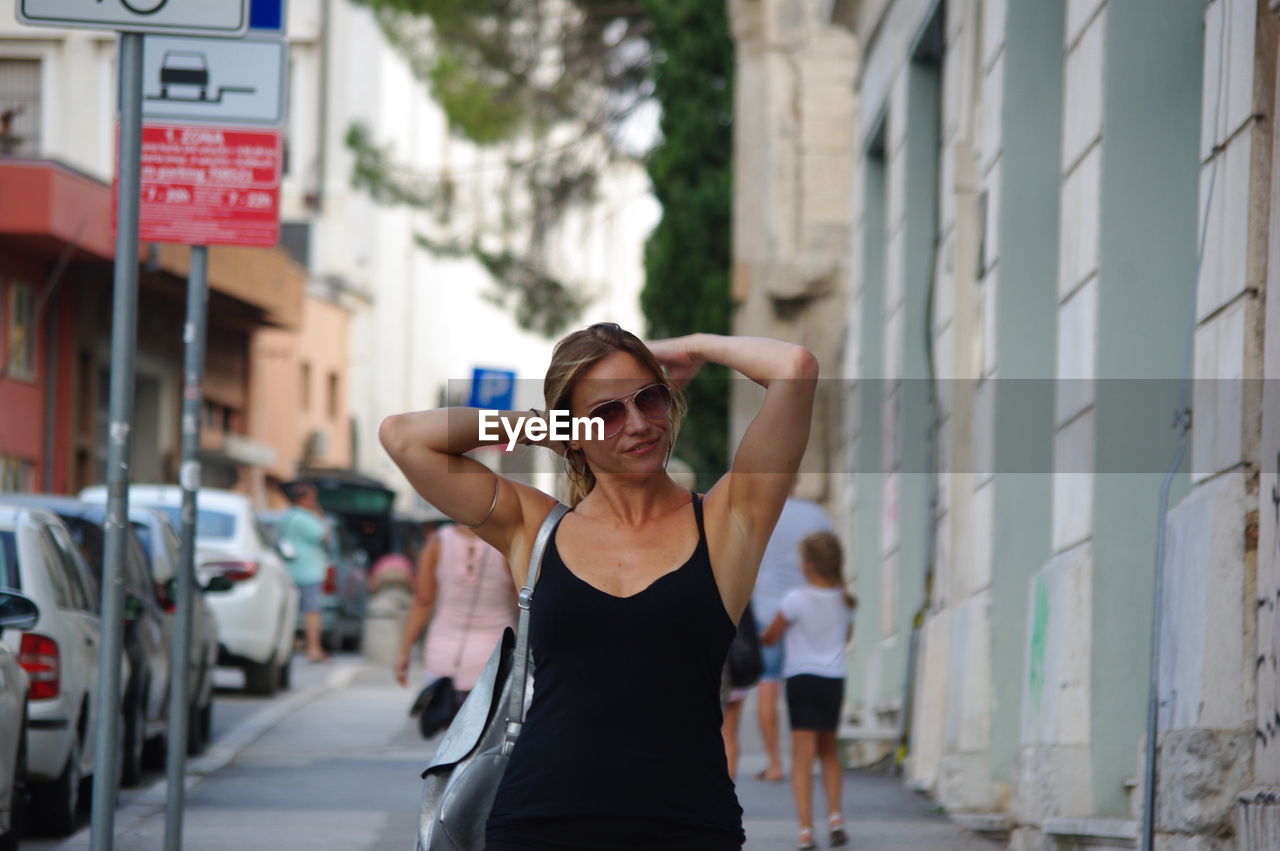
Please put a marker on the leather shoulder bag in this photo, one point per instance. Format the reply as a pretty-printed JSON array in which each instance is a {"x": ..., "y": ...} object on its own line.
[{"x": 462, "y": 780}]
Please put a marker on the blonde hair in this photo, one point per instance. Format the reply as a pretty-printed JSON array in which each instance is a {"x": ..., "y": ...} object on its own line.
[
  {"x": 822, "y": 552},
  {"x": 573, "y": 356}
]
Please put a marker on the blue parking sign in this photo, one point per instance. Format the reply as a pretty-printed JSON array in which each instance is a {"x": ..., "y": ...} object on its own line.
[
  {"x": 492, "y": 388},
  {"x": 267, "y": 16}
]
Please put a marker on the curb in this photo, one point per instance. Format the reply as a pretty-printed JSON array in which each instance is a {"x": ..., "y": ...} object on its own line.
[{"x": 151, "y": 800}]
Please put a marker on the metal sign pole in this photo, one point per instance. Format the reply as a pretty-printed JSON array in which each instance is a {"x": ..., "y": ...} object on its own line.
[
  {"x": 180, "y": 653},
  {"x": 119, "y": 442}
]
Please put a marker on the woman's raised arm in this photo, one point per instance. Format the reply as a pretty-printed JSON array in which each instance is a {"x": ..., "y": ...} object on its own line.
[
  {"x": 769, "y": 454},
  {"x": 428, "y": 448},
  {"x": 745, "y": 503}
]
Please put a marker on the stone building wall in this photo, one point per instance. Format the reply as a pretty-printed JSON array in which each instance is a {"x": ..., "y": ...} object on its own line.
[
  {"x": 792, "y": 135},
  {"x": 1029, "y": 199}
]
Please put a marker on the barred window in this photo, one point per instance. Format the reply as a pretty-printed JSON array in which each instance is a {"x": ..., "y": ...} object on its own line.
[
  {"x": 20, "y": 106},
  {"x": 21, "y": 336},
  {"x": 15, "y": 474}
]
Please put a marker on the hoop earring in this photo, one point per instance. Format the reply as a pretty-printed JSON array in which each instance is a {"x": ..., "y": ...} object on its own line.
[{"x": 569, "y": 470}]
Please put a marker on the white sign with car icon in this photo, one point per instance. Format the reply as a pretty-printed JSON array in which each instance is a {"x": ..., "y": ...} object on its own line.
[{"x": 215, "y": 80}]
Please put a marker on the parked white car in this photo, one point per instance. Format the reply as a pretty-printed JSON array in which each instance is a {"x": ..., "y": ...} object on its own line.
[
  {"x": 164, "y": 555},
  {"x": 247, "y": 584},
  {"x": 60, "y": 657},
  {"x": 16, "y": 613}
]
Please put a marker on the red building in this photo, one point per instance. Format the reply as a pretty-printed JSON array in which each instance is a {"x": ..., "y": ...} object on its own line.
[{"x": 56, "y": 253}]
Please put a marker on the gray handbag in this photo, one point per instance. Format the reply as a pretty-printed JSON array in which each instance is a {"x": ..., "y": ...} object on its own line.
[{"x": 462, "y": 780}]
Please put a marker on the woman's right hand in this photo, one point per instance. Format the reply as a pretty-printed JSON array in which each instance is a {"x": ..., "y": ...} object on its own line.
[
  {"x": 400, "y": 669},
  {"x": 680, "y": 355}
]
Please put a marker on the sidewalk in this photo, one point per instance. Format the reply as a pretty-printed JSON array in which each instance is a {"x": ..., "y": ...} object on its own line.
[
  {"x": 880, "y": 813},
  {"x": 334, "y": 767}
]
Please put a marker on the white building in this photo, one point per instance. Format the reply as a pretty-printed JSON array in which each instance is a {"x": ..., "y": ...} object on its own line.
[{"x": 426, "y": 322}]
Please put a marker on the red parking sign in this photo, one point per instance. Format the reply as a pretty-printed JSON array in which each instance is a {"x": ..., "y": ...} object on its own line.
[{"x": 210, "y": 185}]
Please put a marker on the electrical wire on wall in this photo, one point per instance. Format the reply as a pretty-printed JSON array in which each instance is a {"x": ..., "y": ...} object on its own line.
[{"x": 1182, "y": 423}]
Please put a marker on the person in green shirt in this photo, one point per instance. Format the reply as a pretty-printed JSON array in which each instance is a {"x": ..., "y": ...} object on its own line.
[{"x": 303, "y": 532}]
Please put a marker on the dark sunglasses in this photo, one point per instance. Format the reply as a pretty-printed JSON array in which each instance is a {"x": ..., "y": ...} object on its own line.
[{"x": 653, "y": 401}]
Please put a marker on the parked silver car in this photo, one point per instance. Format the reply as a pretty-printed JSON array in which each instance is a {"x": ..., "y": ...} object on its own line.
[
  {"x": 16, "y": 613},
  {"x": 146, "y": 645},
  {"x": 60, "y": 656}
]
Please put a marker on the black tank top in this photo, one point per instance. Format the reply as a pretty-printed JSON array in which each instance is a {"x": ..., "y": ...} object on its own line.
[{"x": 621, "y": 748}]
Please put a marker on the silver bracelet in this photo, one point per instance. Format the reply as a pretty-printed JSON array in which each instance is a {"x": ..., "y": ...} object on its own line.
[{"x": 497, "y": 485}]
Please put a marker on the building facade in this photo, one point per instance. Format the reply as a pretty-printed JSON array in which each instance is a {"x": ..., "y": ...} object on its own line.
[
  {"x": 57, "y": 250},
  {"x": 377, "y": 324},
  {"x": 1063, "y": 233},
  {"x": 56, "y": 255},
  {"x": 422, "y": 321},
  {"x": 298, "y": 390},
  {"x": 793, "y": 117}
]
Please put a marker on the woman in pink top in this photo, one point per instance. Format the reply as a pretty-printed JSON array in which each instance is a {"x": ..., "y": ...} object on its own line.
[{"x": 466, "y": 592}]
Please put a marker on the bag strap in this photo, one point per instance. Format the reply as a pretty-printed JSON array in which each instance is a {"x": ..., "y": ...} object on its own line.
[{"x": 520, "y": 675}]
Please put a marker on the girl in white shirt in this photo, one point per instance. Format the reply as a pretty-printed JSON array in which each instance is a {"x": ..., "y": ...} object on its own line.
[{"x": 815, "y": 622}]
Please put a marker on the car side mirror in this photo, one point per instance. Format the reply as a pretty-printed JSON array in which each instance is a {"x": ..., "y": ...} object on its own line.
[
  {"x": 17, "y": 611},
  {"x": 218, "y": 584}
]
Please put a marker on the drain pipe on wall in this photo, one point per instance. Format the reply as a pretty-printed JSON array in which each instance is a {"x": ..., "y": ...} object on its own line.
[
  {"x": 1182, "y": 422},
  {"x": 322, "y": 119},
  {"x": 931, "y": 536}
]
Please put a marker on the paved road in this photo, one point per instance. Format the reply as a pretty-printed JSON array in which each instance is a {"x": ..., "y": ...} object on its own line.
[{"x": 333, "y": 765}]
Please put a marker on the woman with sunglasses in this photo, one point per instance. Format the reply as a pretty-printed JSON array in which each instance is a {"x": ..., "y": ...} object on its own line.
[{"x": 640, "y": 588}]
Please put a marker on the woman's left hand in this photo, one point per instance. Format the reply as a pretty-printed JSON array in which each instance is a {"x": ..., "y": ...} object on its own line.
[{"x": 680, "y": 355}]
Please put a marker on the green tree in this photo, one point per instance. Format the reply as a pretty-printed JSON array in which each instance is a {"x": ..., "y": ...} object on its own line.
[
  {"x": 568, "y": 76},
  {"x": 687, "y": 257}
]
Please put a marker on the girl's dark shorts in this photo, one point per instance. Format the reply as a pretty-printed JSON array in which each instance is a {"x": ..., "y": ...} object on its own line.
[{"x": 813, "y": 702}]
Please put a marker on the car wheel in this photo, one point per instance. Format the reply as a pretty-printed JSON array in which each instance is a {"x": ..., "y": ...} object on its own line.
[
  {"x": 57, "y": 804},
  {"x": 17, "y": 794},
  {"x": 286, "y": 674},
  {"x": 155, "y": 750},
  {"x": 134, "y": 740},
  {"x": 262, "y": 678},
  {"x": 198, "y": 723}
]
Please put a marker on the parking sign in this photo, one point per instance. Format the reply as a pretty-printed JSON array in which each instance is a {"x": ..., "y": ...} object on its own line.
[
  {"x": 493, "y": 389},
  {"x": 224, "y": 18}
]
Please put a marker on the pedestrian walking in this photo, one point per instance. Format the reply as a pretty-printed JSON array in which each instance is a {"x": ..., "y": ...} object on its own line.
[
  {"x": 780, "y": 573},
  {"x": 815, "y": 623},
  {"x": 464, "y": 592},
  {"x": 639, "y": 590},
  {"x": 302, "y": 533}
]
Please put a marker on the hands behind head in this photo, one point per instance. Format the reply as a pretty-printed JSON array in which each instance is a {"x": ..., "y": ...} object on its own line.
[{"x": 680, "y": 356}]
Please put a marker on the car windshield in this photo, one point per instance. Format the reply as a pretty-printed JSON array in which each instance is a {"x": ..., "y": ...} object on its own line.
[
  {"x": 209, "y": 524},
  {"x": 9, "y": 561}
]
